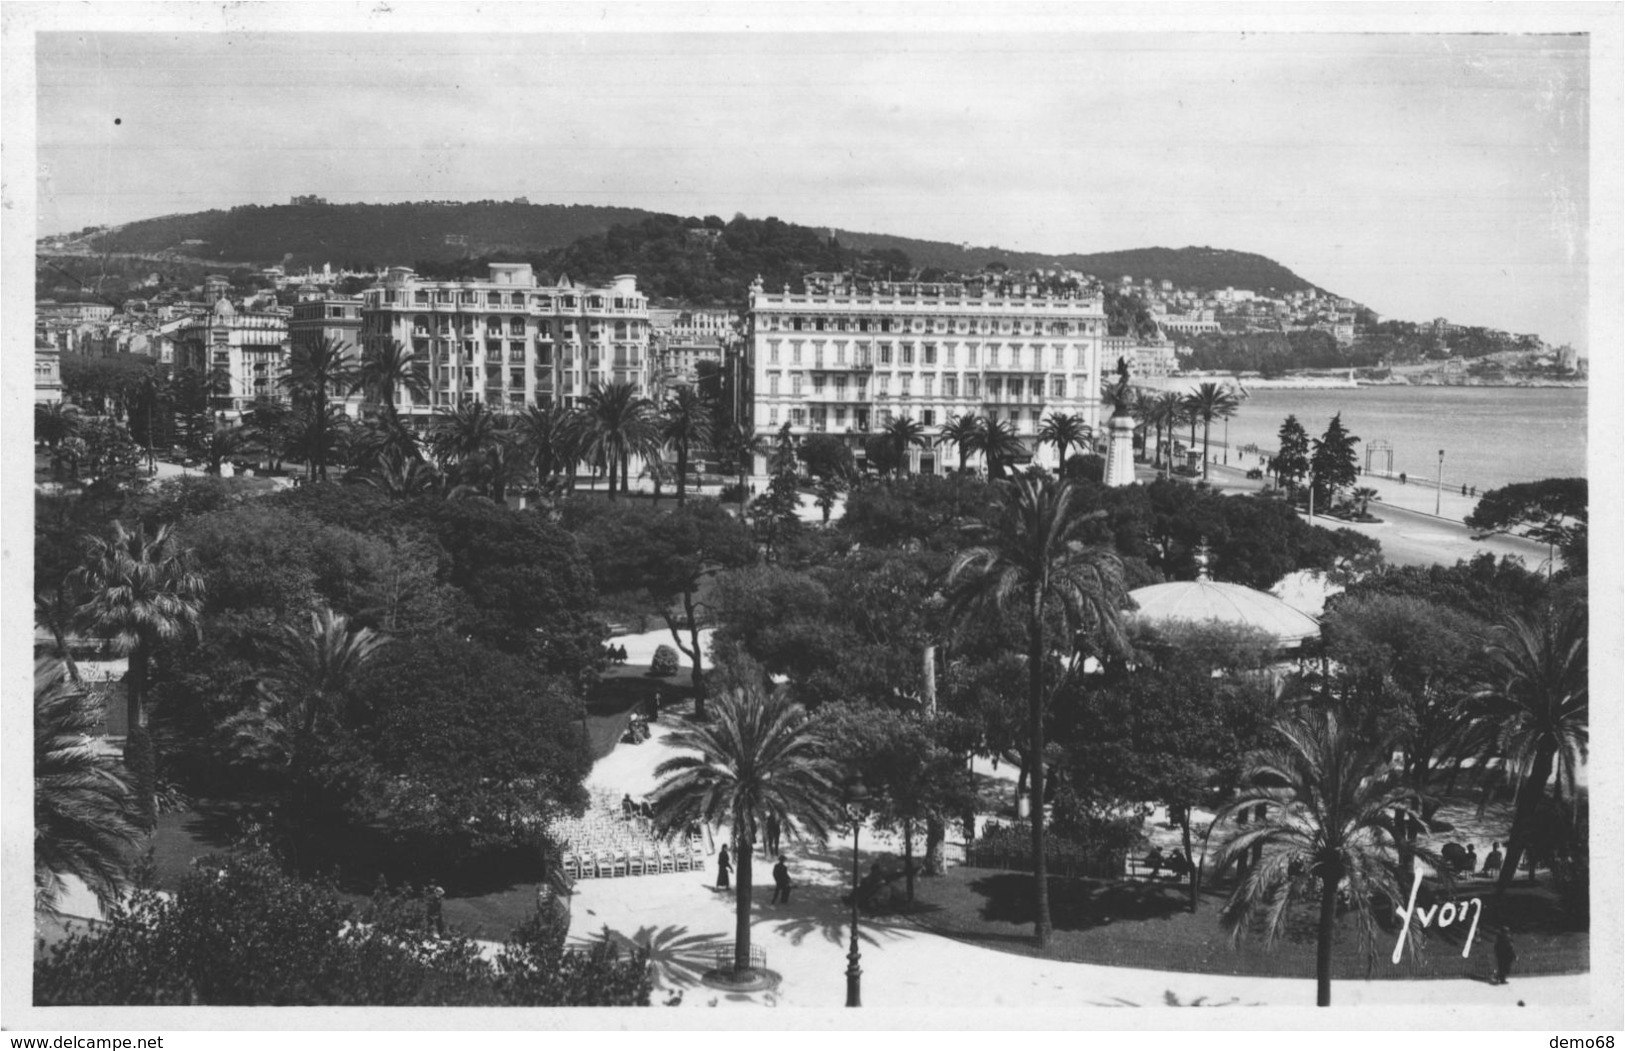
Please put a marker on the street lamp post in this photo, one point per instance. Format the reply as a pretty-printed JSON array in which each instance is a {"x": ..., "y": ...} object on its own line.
[
  {"x": 1227, "y": 440},
  {"x": 1438, "y": 492},
  {"x": 856, "y": 794}
]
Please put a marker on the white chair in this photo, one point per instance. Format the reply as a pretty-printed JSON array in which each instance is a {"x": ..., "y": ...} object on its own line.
[
  {"x": 634, "y": 863},
  {"x": 667, "y": 862}
]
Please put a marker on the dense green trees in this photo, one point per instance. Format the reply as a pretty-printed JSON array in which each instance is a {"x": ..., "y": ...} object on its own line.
[
  {"x": 1334, "y": 465},
  {"x": 1531, "y": 711},
  {"x": 85, "y": 820},
  {"x": 467, "y": 749},
  {"x": 240, "y": 931},
  {"x": 1031, "y": 562},
  {"x": 1555, "y": 510}
]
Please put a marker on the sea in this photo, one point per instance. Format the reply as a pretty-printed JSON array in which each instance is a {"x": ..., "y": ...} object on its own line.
[{"x": 1490, "y": 436}]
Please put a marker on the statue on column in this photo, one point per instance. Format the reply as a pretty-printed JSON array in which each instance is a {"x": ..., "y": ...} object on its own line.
[{"x": 1120, "y": 397}]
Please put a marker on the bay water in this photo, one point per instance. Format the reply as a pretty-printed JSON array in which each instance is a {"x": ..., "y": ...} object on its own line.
[{"x": 1491, "y": 436}]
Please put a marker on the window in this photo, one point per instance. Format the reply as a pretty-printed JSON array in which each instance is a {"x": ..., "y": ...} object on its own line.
[
  {"x": 908, "y": 353},
  {"x": 885, "y": 353},
  {"x": 1058, "y": 387},
  {"x": 973, "y": 387},
  {"x": 772, "y": 382},
  {"x": 818, "y": 324},
  {"x": 840, "y": 352},
  {"x": 840, "y": 386},
  {"x": 773, "y": 414},
  {"x": 795, "y": 323},
  {"x": 818, "y": 383},
  {"x": 928, "y": 417},
  {"x": 840, "y": 416},
  {"x": 795, "y": 352},
  {"x": 908, "y": 383},
  {"x": 995, "y": 387},
  {"x": 950, "y": 387},
  {"x": 795, "y": 383},
  {"x": 948, "y": 353},
  {"x": 929, "y": 382},
  {"x": 882, "y": 384},
  {"x": 798, "y": 417}
]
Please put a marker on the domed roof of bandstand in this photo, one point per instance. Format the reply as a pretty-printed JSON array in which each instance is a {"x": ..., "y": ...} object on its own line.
[{"x": 1205, "y": 600}]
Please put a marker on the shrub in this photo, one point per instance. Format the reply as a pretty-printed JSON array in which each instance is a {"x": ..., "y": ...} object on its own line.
[
  {"x": 730, "y": 493},
  {"x": 664, "y": 663}
]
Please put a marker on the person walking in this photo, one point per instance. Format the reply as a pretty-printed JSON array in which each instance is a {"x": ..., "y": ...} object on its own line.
[
  {"x": 1505, "y": 956},
  {"x": 1492, "y": 863},
  {"x": 772, "y": 834},
  {"x": 724, "y": 867},
  {"x": 781, "y": 883},
  {"x": 436, "y": 910}
]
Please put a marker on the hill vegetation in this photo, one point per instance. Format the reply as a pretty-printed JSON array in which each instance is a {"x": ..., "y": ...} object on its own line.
[
  {"x": 692, "y": 259},
  {"x": 364, "y": 236}
]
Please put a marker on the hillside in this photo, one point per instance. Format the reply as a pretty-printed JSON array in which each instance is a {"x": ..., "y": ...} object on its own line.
[
  {"x": 1186, "y": 267},
  {"x": 591, "y": 242},
  {"x": 362, "y": 236}
]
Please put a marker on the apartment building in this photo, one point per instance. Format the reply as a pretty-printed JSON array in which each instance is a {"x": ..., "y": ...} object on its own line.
[
  {"x": 508, "y": 341},
  {"x": 317, "y": 318},
  {"x": 847, "y": 359},
  {"x": 245, "y": 351}
]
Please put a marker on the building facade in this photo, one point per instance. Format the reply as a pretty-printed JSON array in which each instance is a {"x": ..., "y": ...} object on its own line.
[
  {"x": 316, "y": 318},
  {"x": 245, "y": 353},
  {"x": 847, "y": 361},
  {"x": 47, "y": 372},
  {"x": 508, "y": 341}
]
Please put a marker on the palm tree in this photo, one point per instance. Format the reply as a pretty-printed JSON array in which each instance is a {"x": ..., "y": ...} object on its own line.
[
  {"x": 400, "y": 477},
  {"x": 305, "y": 683},
  {"x": 1064, "y": 430},
  {"x": 1001, "y": 445},
  {"x": 904, "y": 432},
  {"x": 1363, "y": 496},
  {"x": 140, "y": 591},
  {"x": 744, "y": 445},
  {"x": 1205, "y": 403},
  {"x": 83, "y": 820},
  {"x": 687, "y": 424},
  {"x": 316, "y": 373},
  {"x": 1031, "y": 562},
  {"x": 54, "y": 421},
  {"x": 314, "y": 438},
  {"x": 619, "y": 424},
  {"x": 1143, "y": 408},
  {"x": 473, "y": 443},
  {"x": 542, "y": 433},
  {"x": 758, "y": 758},
  {"x": 1531, "y": 712},
  {"x": 223, "y": 444},
  {"x": 384, "y": 437},
  {"x": 1165, "y": 412},
  {"x": 967, "y": 433},
  {"x": 388, "y": 366},
  {"x": 1329, "y": 793}
]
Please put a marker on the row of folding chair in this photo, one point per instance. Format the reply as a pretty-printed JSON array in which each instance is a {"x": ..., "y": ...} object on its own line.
[{"x": 647, "y": 861}]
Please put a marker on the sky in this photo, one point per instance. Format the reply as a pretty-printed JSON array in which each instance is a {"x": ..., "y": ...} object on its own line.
[{"x": 1422, "y": 174}]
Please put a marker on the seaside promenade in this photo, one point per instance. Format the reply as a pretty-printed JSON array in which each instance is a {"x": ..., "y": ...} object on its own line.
[{"x": 1410, "y": 532}]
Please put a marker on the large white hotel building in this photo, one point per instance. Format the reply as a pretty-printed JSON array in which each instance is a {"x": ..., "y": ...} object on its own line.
[
  {"x": 840, "y": 360},
  {"x": 509, "y": 341}
]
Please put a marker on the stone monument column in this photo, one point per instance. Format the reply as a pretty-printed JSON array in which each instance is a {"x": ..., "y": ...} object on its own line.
[{"x": 1120, "y": 451}]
